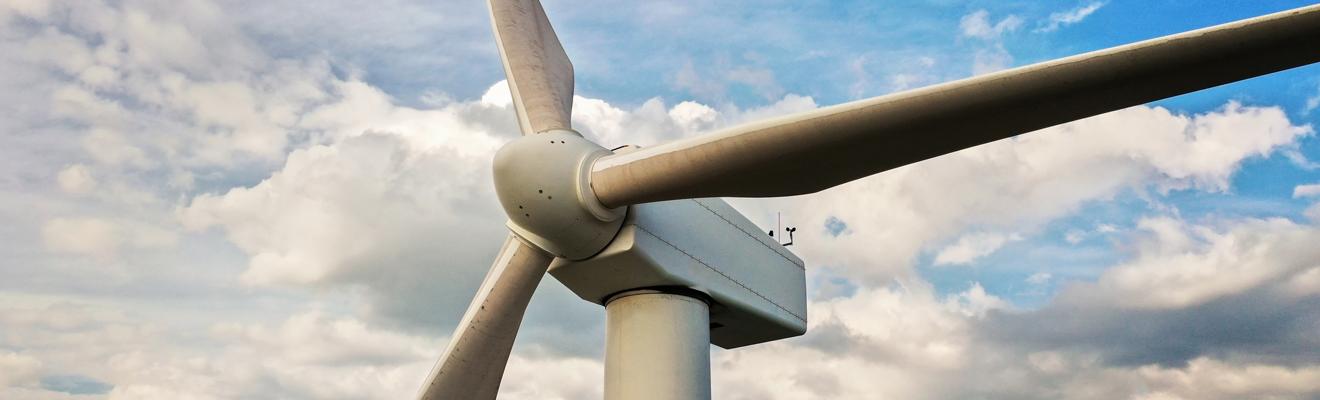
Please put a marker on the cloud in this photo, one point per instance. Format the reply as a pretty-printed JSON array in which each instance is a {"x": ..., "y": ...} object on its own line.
[
  {"x": 906, "y": 72},
  {"x": 976, "y": 302},
  {"x": 713, "y": 81},
  {"x": 899, "y": 341},
  {"x": 1064, "y": 18},
  {"x": 760, "y": 79},
  {"x": 654, "y": 122},
  {"x": 1240, "y": 292},
  {"x": 153, "y": 112},
  {"x": 1311, "y": 190},
  {"x": 990, "y": 56},
  {"x": 1039, "y": 278},
  {"x": 856, "y": 347},
  {"x": 1074, "y": 236},
  {"x": 394, "y": 45},
  {"x": 687, "y": 78},
  {"x": 113, "y": 149},
  {"x": 309, "y": 355},
  {"x": 134, "y": 80},
  {"x": 1186, "y": 265},
  {"x": 368, "y": 211},
  {"x": 20, "y": 370},
  {"x": 568, "y": 378},
  {"x": 1016, "y": 185},
  {"x": 74, "y": 384},
  {"x": 1213, "y": 379},
  {"x": 35, "y": 9},
  {"x": 498, "y": 95},
  {"x": 970, "y": 247},
  {"x": 102, "y": 238},
  {"x": 76, "y": 179},
  {"x": 692, "y": 116},
  {"x": 978, "y": 25},
  {"x": 987, "y": 60},
  {"x": 89, "y": 236},
  {"x": 314, "y": 338}
]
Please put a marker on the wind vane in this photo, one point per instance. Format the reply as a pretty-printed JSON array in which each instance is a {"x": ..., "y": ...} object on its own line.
[{"x": 779, "y": 220}]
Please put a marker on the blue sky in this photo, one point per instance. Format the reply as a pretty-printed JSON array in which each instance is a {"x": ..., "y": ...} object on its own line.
[
  {"x": 269, "y": 199},
  {"x": 814, "y": 56}
]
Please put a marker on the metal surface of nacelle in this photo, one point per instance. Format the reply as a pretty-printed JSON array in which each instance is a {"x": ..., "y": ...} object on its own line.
[{"x": 756, "y": 286}]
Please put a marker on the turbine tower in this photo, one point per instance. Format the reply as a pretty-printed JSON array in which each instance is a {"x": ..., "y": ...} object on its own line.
[{"x": 642, "y": 232}]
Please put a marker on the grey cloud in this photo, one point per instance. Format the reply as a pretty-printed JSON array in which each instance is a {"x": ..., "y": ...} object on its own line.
[
  {"x": 831, "y": 338},
  {"x": 1239, "y": 292},
  {"x": 1095, "y": 340},
  {"x": 825, "y": 284},
  {"x": 559, "y": 324},
  {"x": 407, "y": 47},
  {"x": 413, "y": 228},
  {"x": 110, "y": 350},
  {"x": 1256, "y": 326},
  {"x": 75, "y": 384}
]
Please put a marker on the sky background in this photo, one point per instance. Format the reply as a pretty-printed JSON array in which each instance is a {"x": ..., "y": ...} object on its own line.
[{"x": 207, "y": 199}]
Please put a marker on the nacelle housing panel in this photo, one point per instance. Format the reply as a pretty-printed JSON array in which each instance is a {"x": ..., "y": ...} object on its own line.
[{"x": 757, "y": 286}]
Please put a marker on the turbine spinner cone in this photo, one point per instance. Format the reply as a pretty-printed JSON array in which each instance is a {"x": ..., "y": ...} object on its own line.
[{"x": 542, "y": 182}]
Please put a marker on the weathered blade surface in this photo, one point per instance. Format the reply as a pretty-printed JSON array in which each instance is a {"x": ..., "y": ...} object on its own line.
[
  {"x": 539, "y": 73},
  {"x": 819, "y": 149},
  {"x": 473, "y": 364}
]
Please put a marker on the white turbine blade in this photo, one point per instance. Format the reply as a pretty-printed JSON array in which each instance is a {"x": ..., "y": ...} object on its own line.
[
  {"x": 819, "y": 149},
  {"x": 540, "y": 75},
  {"x": 473, "y": 364}
]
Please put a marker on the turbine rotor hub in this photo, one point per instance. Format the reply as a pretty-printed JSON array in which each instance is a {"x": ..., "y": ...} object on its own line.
[{"x": 543, "y": 183}]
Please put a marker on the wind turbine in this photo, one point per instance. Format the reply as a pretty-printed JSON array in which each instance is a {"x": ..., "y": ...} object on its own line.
[{"x": 641, "y": 231}]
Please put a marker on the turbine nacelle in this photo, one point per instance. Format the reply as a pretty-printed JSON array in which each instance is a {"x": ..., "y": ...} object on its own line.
[{"x": 756, "y": 288}]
